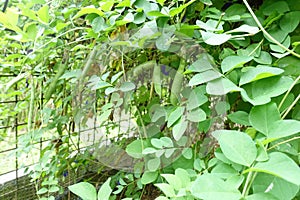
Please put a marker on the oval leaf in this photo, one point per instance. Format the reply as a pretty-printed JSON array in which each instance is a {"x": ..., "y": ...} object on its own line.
[
  {"x": 84, "y": 190},
  {"x": 214, "y": 39},
  {"x": 259, "y": 73},
  {"x": 105, "y": 190},
  {"x": 211, "y": 187},
  {"x": 280, "y": 165},
  {"x": 237, "y": 146},
  {"x": 231, "y": 62}
]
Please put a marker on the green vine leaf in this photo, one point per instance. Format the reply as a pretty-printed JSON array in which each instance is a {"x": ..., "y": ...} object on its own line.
[
  {"x": 216, "y": 189},
  {"x": 280, "y": 165},
  {"x": 214, "y": 39},
  {"x": 231, "y": 62},
  {"x": 260, "y": 72},
  {"x": 241, "y": 150},
  {"x": 105, "y": 190},
  {"x": 263, "y": 116},
  {"x": 261, "y": 91},
  {"x": 84, "y": 190}
]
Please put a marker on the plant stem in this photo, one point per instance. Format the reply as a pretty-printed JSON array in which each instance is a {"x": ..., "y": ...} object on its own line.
[
  {"x": 266, "y": 33},
  {"x": 31, "y": 105},
  {"x": 289, "y": 90},
  {"x": 291, "y": 106},
  {"x": 247, "y": 184},
  {"x": 283, "y": 142}
]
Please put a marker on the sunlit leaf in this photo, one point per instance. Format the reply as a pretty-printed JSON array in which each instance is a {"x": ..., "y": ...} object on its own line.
[
  {"x": 221, "y": 86},
  {"x": 215, "y": 39},
  {"x": 84, "y": 190},
  {"x": 279, "y": 188},
  {"x": 241, "y": 149},
  {"x": 204, "y": 77},
  {"x": 259, "y": 73},
  {"x": 280, "y": 165},
  {"x": 196, "y": 115},
  {"x": 179, "y": 129},
  {"x": 261, "y": 117},
  {"x": 231, "y": 62},
  {"x": 211, "y": 187},
  {"x": 88, "y": 10},
  {"x": 175, "y": 115},
  {"x": 43, "y": 14},
  {"x": 149, "y": 177},
  {"x": 167, "y": 189},
  {"x": 261, "y": 91}
]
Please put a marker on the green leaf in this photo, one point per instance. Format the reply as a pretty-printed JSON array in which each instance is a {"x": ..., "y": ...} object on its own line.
[
  {"x": 221, "y": 86},
  {"x": 261, "y": 91},
  {"x": 196, "y": 99},
  {"x": 167, "y": 189},
  {"x": 239, "y": 117},
  {"x": 241, "y": 149},
  {"x": 161, "y": 2},
  {"x": 129, "y": 17},
  {"x": 187, "y": 153},
  {"x": 200, "y": 65},
  {"x": 290, "y": 21},
  {"x": 214, "y": 39},
  {"x": 283, "y": 128},
  {"x": 139, "y": 18},
  {"x": 264, "y": 58},
  {"x": 88, "y": 10},
  {"x": 149, "y": 150},
  {"x": 211, "y": 187},
  {"x": 99, "y": 85},
  {"x": 259, "y": 73},
  {"x": 196, "y": 115},
  {"x": 153, "y": 164},
  {"x": 277, "y": 34},
  {"x": 167, "y": 142},
  {"x": 127, "y": 86},
  {"x": 176, "y": 11},
  {"x": 173, "y": 180},
  {"x": 164, "y": 41},
  {"x": 286, "y": 43},
  {"x": 157, "y": 112},
  {"x": 211, "y": 25},
  {"x": 105, "y": 190},
  {"x": 275, "y": 186},
  {"x": 42, "y": 191},
  {"x": 280, "y": 165},
  {"x": 224, "y": 171},
  {"x": 184, "y": 176},
  {"x": 175, "y": 115},
  {"x": 179, "y": 129},
  {"x": 277, "y": 7},
  {"x": 157, "y": 143},
  {"x": 135, "y": 148},
  {"x": 231, "y": 62},
  {"x": 245, "y": 29},
  {"x": 149, "y": 177},
  {"x": 98, "y": 24},
  {"x": 156, "y": 13},
  {"x": 204, "y": 77},
  {"x": 53, "y": 189},
  {"x": 262, "y": 117},
  {"x": 84, "y": 190},
  {"x": 43, "y": 14}
]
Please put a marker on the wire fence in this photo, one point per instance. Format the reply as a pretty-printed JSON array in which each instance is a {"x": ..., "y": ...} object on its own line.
[{"x": 15, "y": 159}]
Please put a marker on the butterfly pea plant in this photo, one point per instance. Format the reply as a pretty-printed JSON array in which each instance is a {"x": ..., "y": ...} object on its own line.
[{"x": 167, "y": 62}]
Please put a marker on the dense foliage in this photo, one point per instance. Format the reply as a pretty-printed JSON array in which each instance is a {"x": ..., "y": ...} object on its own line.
[{"x": 212, "y": 88}]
